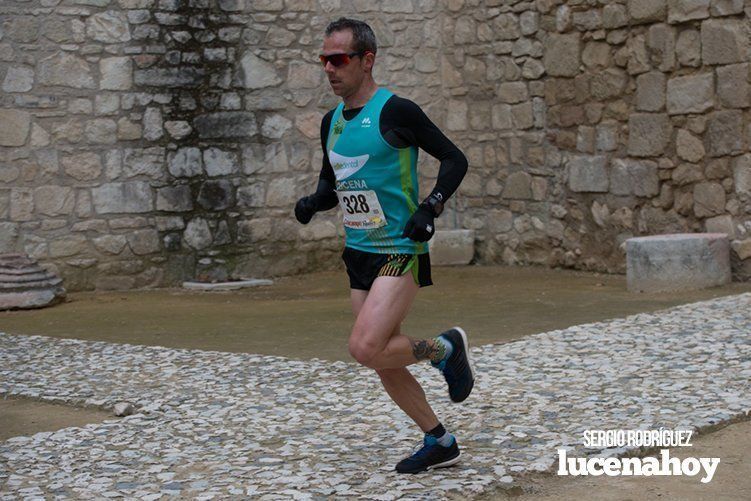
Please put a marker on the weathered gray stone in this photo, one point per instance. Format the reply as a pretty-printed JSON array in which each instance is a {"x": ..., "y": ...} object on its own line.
[
  {"x": 185, "y": 162},
  {"x": 275, "y": 126},
  {"x": 456, "y": 118},
  {"x": 742, "y": 174},
  {"x": 303, "y": 75},
  {"x": 127, "y": 130},
  {"x": 649, "y": 134},
  {"x": 677, "y": 262},
  {"x": 452, "y": 247},
  {"x": 110, "y": 244},
  {"x": 255, "y": 73},
  {"x": 15, "y": 127},
  {"x": 725, "y": 132},
  {"x": 144, "y": 242},
  {"x": 505, "y": 27},
  {"x": 178, "y": 129},
  {"x": 688, "y": 48},
  {"x": 608, "y": 83},
  {"x": 256, "y": 230},
  {"x": 588, "y": 173},
  {"x": 83, "y": 166},
  {"x": 726, "y": 7},
  {"x": 563, "y": 18},
  {"x": 130, "y": 197},
  {"x": 614, "y": 16},
  {"x": 54, "y": 200},
  {"x": 216, "y": 195},
  {"x": 690, "y": 94},
  {"x": 720, "y": 224},
  {"x": 686, "y": 174},
  {"x": 529, "y": 22},
  {"x": 596, "y": 55},
  {"x": 562, "y": 55},
  {"x": 638, "y": 60},
  {"x": 501, "y": 116},
  {"x": 66, "y": 70},
  {"x": 226, "y": 124},
  {"x": 650, "y": 91},
  {"x": 143, "y": 162},
  {"x": 219, "y": 162},
  {"x": 724, "y": 41},
  {"x": 661, "y": 43},
  {"x": 116, "y": 73},
  {"x": 108, "y": 27},
  {"x": 281, "y": 192},
  {"x": 18, "y": 79},
  {"x": 184, "y": 76},
  {"x": 709, "y": 199},
  {"x": 174, "y": 199},
  {"x": 680, "y": 11},
  {"x": 634, "y": 177},
  {"x": 106, "y": 104},
  {"x": 644, "y": 11},
  {"x": 518, "y": 186},
  {"x": 522, "y": 115},
  {"x": 512, "y": 92},
  {"x": 101, "y": 131},
  {"x": 197, "y": 234},
  {"x": 152, "y": 124},
  {"x": 733, "y": 87},
  {"x": 251, "y": 196},
  {"x": 689, "y": 147}
]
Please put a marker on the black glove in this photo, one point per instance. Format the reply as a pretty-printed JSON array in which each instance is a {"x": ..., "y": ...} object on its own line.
[
  {"x": 305, "y": 208},
  {"x": 420, "y": 226}
]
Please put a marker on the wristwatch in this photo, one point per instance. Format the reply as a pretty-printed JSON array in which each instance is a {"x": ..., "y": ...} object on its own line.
[{"x": 435, "y": 203}]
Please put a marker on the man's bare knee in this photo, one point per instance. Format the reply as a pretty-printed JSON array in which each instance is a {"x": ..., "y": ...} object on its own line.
[{"x": 363, "y": 352}]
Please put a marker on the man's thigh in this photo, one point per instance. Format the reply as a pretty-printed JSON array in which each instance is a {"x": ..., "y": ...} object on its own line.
[{"x": 384, "y": 308}]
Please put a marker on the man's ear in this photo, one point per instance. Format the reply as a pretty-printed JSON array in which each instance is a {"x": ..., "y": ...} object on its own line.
[{"x": 369, "y": 60}]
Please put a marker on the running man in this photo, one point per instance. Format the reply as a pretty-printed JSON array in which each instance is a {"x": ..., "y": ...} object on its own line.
[{"x": 370, "y": 143}]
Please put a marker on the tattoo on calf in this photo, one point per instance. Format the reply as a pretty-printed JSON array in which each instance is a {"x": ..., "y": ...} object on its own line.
[{"x": 423, "y": 349}]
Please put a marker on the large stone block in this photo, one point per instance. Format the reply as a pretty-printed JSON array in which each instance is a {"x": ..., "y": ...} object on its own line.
[
  {"x": 18, "y": 79},
  {"x": 677, "y": 262},
  {"x": 108, "y": 27},
  {"x": 688, "y": 48},
  {"x": 650, "y": 91},
  {"x": 14, "y": 127},
  {"x": 690, "y": 94},
  {"x": 65, "y": 70},
  {"x": 185, "y": 162},
  {"x": 116, "y": 73},
  {"x": 634, "y": 177},
  {"x": 588, "y": 174},
  {"x": 733, "y": 87},
  {"x": 645, "y": 11},
  {"x": 725, "y": 132},
  {"x": 726, "y": 7},
  {"x": 255, "y": 73},
  {"x": 562, "y": 55},
  {"x": 680, "y": 11},
  {"x": 709, "y": 199},
  {"x": 518, "y": 186},
  {"x": 226, "y": 125},
  {"x": 649, "y": 134},
  {"x": 131, "y": 197},
  {"x": 724, "y": 41},
  {"x": 170, "y": 77},
  {"x": 174, "y": 199},
  {"x": 661, "y": 43},
  {"x": 452, "y": 247},
  {"x": 216, "y": 195}
]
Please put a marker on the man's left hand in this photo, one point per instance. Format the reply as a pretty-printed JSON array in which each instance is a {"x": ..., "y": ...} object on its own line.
[{"x": 420, "y": 226}]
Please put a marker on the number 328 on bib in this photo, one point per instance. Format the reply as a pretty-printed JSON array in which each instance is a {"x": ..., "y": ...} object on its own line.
[{"x": 361, "y": 209}]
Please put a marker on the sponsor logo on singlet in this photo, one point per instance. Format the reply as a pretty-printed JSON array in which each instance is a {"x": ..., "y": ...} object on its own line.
[
  {"x": 352, "y": 184},
  {"x": 343, "y": 166}
]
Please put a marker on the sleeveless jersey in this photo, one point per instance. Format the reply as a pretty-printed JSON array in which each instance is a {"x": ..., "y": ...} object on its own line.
[{"x": 376, "y": 183}]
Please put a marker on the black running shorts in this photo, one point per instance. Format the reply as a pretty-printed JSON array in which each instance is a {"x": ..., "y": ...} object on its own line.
[{"x": 364, "y": 267}]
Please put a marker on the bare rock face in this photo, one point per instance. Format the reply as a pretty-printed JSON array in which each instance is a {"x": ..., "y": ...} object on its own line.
[{"x": 25, "y": 285}]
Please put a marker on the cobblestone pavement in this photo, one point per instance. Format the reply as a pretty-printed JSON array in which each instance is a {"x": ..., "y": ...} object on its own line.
[{"x": 214, "y": 424}]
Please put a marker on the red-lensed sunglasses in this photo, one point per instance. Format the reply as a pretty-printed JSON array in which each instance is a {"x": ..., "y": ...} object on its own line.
[{"x": 339, "y": 59}]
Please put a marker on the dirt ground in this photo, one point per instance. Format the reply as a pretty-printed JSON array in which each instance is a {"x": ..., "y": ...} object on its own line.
[{"x": 309, "y": 316}]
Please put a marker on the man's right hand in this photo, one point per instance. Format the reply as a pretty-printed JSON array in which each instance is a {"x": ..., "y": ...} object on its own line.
[{"x": 305, "y": 208}]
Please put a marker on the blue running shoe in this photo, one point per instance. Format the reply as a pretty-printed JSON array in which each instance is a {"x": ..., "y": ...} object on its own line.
[
  {"x": 457, "y": 369},
  {"x": 431, "y": 455}
]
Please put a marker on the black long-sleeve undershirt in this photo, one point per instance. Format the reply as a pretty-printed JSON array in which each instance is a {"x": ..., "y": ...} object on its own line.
[{"x": 404, "y": 124}]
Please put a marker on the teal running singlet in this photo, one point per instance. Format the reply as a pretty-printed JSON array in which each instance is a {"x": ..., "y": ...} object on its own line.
[{"x": 375, "y": 182}]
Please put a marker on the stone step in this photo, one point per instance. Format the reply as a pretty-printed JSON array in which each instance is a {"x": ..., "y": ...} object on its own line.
[
  {"x": 29, "y": 299},
  {"x": 25, "y": 277},
  {"x": 682, "y": 261},
  {"x": 37, "y": 284}
]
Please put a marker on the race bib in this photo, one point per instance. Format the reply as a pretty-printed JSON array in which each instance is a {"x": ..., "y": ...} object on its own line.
[{"x": 361, "y": 209}]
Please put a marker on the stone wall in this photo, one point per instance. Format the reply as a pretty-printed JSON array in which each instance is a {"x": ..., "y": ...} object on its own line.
[{"x": 145, "y": 142}]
